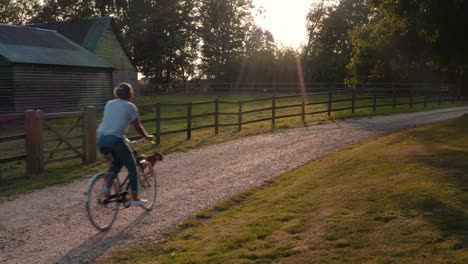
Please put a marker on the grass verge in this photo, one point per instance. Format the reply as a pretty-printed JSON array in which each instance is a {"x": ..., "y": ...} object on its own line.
[{"x": 402, "y": 198}]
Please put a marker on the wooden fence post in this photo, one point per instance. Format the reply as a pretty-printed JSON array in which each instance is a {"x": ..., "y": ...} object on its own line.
[
  {"x": 158, "y": 124},
  {"x": 189, "y": 121},
  {"x": 353, "y": 101},
  {"x": 374, "y": 100},
  {"x": 330, "y": 94},
  {"x": 89, "y": 133},
  {"x": 452, "y": 95},
  {"x": 303, "y": 108},
  {"x": 216, "y": 102},
  {"x": 240, "y": 116},
  {"x": 34, "y": 127},
  {"x": 273, "y": 111},
  {"x": 411, "y": 91},
  {"x": 425, "y": 96},
  {"x": 459, "y": 91},
  {"x": 393, "y": 97},
  {"x": 439, "y": 93}
]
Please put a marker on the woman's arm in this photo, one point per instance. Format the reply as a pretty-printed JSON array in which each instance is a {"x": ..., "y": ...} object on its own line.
[{"x": 140, "y": 129}]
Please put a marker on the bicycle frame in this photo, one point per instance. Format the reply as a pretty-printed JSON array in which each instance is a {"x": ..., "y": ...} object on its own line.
[{"x": 120, "y": 196}]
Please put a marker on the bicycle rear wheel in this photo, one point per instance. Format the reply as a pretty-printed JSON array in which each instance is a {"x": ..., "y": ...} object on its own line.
[
  {"x": 147, "y": 185},
  {"x": 101, "y": 212}
]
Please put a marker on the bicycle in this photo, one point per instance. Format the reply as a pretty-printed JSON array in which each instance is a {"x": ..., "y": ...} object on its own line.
[{"x": 102, "y": 210}]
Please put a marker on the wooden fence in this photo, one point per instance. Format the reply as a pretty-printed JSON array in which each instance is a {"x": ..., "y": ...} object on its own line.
[
  {"x": 12, "y": 118},
  {"x": 413, "y": 96},
  {"x": 79, "y": 137},
  {"x": 61, "y": 138},
  {"x": 272, "y": 88}
]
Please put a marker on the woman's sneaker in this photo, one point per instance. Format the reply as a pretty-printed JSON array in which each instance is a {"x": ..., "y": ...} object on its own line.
[
  {"x": 105, "y": 191},
  {"x": 137, "y": 202}
]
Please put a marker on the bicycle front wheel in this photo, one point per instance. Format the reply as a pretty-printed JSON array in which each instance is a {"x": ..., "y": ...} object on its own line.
[
  {"x": 101, "y": 211},
  {"x": 147, "y": 185}
]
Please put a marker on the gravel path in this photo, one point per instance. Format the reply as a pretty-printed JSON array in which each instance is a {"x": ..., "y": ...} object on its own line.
[{"x": 51, "y": 225}]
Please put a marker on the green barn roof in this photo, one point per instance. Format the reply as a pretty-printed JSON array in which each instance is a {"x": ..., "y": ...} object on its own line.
[
  {"x": 89, "y": 34},
  {"x": 86, "y": 32},
  {"x": 39, "y": 46}
]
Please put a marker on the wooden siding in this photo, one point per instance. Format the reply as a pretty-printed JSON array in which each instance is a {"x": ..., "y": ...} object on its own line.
[
  {"x": 6, "y": 90},
  {"x": 110, "y": 49},
  {"x": 52, "y": 88}
]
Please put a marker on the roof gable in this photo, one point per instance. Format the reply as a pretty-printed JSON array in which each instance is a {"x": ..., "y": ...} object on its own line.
[{"x": 38, "y": 46}]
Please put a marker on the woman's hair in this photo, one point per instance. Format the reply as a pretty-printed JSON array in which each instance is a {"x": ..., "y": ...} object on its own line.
[{"x": 123, "y": 91}]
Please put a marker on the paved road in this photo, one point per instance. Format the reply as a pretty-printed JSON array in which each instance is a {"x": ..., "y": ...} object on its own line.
[{"x": 51, "y": 226}]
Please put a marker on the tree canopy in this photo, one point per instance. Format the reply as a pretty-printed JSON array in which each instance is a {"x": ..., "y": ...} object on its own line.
[
  {"x": 329, "y": 38},
  {"x": 411, "y": 41},
  {"x": 218, "y": 41}
]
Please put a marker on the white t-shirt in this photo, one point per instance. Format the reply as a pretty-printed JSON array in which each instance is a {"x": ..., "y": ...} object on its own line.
[{"x": 118, "y": 114}]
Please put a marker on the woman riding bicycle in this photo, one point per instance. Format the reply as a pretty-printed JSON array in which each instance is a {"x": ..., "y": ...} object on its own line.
[{"x": 118, "y": 115}]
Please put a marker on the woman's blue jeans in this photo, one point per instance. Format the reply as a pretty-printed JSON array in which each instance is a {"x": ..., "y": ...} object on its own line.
[{"x": 122, "y": 157}]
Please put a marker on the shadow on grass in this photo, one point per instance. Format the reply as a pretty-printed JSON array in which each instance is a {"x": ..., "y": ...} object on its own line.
[
  {"x": 100, "y": 243},
  {"x": 451, "y": 221},
  {"x": 445, "y": 204}
]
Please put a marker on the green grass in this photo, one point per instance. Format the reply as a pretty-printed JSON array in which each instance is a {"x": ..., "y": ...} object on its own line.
[
  {"x": 402, "y": 198},
  {"x": 14, "y": 181}
]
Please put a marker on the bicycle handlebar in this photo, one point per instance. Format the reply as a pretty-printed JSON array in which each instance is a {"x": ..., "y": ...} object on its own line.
[{"x": 133, "y": 142}]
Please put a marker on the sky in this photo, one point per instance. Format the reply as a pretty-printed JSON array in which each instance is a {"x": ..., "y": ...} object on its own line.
[{"x": 285, "y": 19}]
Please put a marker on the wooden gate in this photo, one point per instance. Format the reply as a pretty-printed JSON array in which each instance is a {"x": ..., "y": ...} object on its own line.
[
  {"x": 62, "y": 135},
  {"x": 58, "y": 137}
]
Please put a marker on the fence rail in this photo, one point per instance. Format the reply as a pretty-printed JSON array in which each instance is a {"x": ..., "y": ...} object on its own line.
[{"x": 47, "y": 141}]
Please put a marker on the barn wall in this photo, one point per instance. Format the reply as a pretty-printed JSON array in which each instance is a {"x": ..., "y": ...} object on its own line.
[
  {"x": 6, "y": 90},
  {"x": 110, "y": 49},
  {"x": 55, "y": 88}
]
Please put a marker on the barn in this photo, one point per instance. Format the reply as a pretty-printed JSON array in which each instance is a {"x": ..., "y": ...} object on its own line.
[
  {"x": 41, "y": 69},
  {"x": 101, "y": 37}
]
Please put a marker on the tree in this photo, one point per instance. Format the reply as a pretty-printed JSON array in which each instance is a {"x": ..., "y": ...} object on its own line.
[
  {"x": 62, "y": 10},
  {"x": 258, "y": 40},
  {"x": 259, "y": 61},
  {"x": 314, "y": 20},
  {"x": 18, "y": 12},
  {"x": 329, "y": 47},
  {"x": 224, "y": 24},
  {"x": 287, "y": 66},
  {"x": 166, "y": 44},
  {"x": 113, "y": 7},
  {"x": 410, "y": 41}
]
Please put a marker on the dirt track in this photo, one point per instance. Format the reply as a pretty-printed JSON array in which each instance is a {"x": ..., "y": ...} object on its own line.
[{"x": 51, "y": 225}]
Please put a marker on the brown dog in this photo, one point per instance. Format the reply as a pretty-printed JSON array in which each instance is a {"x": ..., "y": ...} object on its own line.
[{"x": 151, "y": 158}]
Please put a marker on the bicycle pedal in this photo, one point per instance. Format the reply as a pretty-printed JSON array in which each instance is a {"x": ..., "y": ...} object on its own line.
[
  {"x": 103, "y": 202},
  {"x": 126, "y": 203}
]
